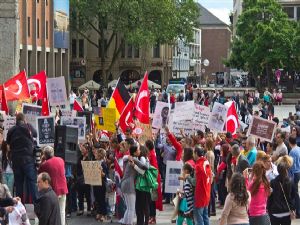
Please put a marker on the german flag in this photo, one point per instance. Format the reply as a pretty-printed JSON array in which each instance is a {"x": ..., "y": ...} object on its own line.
[{"x": 119, "y": 99}]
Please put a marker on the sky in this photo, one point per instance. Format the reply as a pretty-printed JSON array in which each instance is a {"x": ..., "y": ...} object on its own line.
[
  {"x": 62, "y": 5},
  {"x": 220, "y": 8}
]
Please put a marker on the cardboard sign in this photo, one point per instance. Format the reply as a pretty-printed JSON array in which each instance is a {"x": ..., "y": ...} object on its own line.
[
  {"x": 262, "y": 128},
  {"x": 45, "y": 130},
  {"x": 146, "y": 133},
  {"x": 201, "y": 117},
  {"x": 107, "y": 120},
  {"x": 92, "y": 172},
  {"x": 184, "y": 111},
  {"x": 79, "y": 122},
  {"x": 89, "y": 120},
  {"x": 161, "y": 115},
  {"x": 9, "y": 122},
  {"x": 173, "y": 171},
  {"x": 217, "y": 117},
  {"x": 57, "y": 94},
  {"x": 31, "y": 112}
]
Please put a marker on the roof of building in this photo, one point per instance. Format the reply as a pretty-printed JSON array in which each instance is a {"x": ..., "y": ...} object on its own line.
[{"x": 208, "y": 19}]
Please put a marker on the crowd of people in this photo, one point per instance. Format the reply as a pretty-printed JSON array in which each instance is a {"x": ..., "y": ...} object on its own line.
[{"x": 253, "y": 181}]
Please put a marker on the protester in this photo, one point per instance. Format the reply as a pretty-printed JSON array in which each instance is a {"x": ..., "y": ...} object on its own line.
[
  {"x": 46, "y": 206},
  {"x": 281, "y": 148},
  {"x": 241, "y": 161},
  {"x": 7, "y": 171}
]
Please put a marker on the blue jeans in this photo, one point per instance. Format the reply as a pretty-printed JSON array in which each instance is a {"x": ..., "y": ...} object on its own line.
[
  {"x": 297, "y": 199},
  {"x": 8, "y": 179},
  {"x": 201, "y": 216},
  {"x": 26, "y": 172}
]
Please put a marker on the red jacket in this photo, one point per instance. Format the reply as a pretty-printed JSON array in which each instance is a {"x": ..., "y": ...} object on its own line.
[
  {"x": 203, "y": 177},
  {"x": 55, "y": 167},
  {"x": 176, "y": 145}
]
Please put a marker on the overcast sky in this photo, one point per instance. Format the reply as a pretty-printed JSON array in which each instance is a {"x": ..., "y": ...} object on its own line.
[{"x": 220, "y": 8}]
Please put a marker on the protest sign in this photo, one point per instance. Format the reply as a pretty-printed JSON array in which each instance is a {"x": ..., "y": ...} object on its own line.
[
  {"x": 9, "y": 122},
  {"x": 45, "y": 130},
  {"x": 79, "y": 122},
  {"x": 262, "y": 128},
  {"x": 18, "y": 215},
  {"x": 89, "y": 120},
  {"x": 31, "y": 112},
  {"x": 107, "y": 120},
  {"x": 176, "y": 126},
  {"x": 66, "y": 112},
  {"x": 183, "y": 111},
  {"x": 173, "y": 171},
  {"x": 97, "y": 111},
  {"x": 217, "y": 117},
  {"x": 161, "y": 115},
  {"x": 201, "y": 116},
  {"x": 92, "y": 172},
  {"x": 57, "y": 94},
  {"x": 146, "y": 132}
]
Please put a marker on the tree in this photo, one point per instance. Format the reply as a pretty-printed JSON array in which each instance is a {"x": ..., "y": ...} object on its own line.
[
  {"x": 264, "y": 39},
  {"x": 141, "y": 23}
]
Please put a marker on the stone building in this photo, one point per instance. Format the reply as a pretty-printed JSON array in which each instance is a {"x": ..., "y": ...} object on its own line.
[{"x": 28, "y": 40}]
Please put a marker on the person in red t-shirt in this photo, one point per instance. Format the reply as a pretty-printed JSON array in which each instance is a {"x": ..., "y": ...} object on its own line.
[{"x": 202, "y": 182}]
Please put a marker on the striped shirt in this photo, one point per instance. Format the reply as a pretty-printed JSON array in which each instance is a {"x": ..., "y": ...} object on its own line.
[{"x": 189, "y": 195}]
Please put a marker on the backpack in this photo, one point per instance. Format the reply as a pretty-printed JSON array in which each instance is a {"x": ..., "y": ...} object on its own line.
[{"x": 148, "y": 181}]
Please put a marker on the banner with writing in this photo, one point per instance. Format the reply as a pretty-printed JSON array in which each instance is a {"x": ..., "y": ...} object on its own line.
[
  {"x": 9, "y": 122},
  {"x": 184, "y": 111},
  {"x": 79, "y": 122},
  {"x": 201, "y": 116},
  {"x": 173, "y": 171},
  {"x": 45, "y": 130},
  {"x": 161, "y": 115},
  {"x": 57, "y": 94},
  {"x": 262, "y": 128},
  {"x": 217, "y": 117},
  {"x": 92, "y": 172},
  {"x": 185, "y": 125},
  {"x": 31, "y": 112}
]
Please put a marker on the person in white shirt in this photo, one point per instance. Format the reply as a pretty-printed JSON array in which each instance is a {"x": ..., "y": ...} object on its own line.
[
  {"x": 281, "y": 148},
  {"x": 72, "y": 98}
]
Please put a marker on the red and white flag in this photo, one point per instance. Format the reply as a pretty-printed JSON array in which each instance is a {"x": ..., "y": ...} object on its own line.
[
  {"x": 4, "y": 106},
  {"x": 38, "y": 84},
  {"x": 77, "y": 107},
  {"x": 16, "y": 88},
  {"x": 45, "y": 103},
  {"x": 142, "y": 102},
  {"x": 232, "y": 120},
  {"x": 126, "y": 117}
]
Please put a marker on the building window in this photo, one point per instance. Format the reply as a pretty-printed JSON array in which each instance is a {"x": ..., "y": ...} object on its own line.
[
  {"x": 81, "y": 48},
  {"x": 74, "y": 48},
  {"x": 298, "y": 13},
  {"x": 289, "y": 11},
  {"x": 156, "y": 51},
  {"x": 136, "y": 52},
  {"x": 38, "y": 28},
  {"x": 47, "y": 29},
  {"x": 129, "y": 51},
  {"x": 28, "y": 26}
]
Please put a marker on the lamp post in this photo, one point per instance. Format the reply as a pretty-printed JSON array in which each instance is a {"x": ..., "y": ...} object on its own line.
[
  {"x": 206, "y": 64},
  {"x": 178, "y": 55}
]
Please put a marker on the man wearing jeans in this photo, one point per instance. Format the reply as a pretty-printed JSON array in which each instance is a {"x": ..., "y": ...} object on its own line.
[
  {"x": 21, "y": 144},
  {"x": 55, "y": 167},
  {"x": 295, "y": 170},
  {"x": 202, "y": 182}
]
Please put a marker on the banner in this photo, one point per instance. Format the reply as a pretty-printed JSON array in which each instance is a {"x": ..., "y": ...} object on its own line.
[
  {"x": 173, "y": 171},
  {"x": 57, "y": 94},
  {"x": 9, "y": 122},
  {"x": 45, "y": 130},
  {"x": 79, "y": 122},
  {"x": 184, "y": 111},
  {"x": 217, "y": 117},
  {"x": 31, "y": 112},
  {"x": 161, "y": 115},
  {"x": 186, "y": 125},
  {"x": 201, "y": 117},
  {"x": 92, "y": 172},
  {"x": 66, "y": 112},
  {"x": 146, "y": 132},
  {"x": 107, "y": 120},
  {"x": 262, "y": 128}
]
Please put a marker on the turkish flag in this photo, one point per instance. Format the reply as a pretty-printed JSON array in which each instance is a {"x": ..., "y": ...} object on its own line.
[
  {"x": 126, "y": 117},
  {"x": 77, "y": 107},
  {"x": 37, "y": 84},
  {"x": 232, "y": 120},
  {"x": 142, "y": 102},
  {"x": 16, "y": 88},
  {"x": 4, "y": 106},
  {"x": 45, "y": 103}
]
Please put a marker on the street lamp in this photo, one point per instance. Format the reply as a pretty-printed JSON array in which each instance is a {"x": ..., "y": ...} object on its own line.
[
  {"x": 206, "y": 64},
  {"x": 178, "y": 56}
]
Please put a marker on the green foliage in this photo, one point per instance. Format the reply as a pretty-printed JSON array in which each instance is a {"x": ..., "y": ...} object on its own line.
[{"x": 265, "y": 38}]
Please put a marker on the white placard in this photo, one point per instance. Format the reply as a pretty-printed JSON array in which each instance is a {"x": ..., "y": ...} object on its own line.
[
  {"x": 184, "y": 111},
  {"x": 217, "y": 117},
  {"x": 201, "y": 116},
  {"x": 57, "y": 94},
  {"x": 79, "y": 122},
  {"x": 173, "y": 171},
  {"x": 176, "y": 126},
  {"x": 9, "y": 122},
  {"x": 31, "y": 112},
  {"x": 161, "y": 115}
]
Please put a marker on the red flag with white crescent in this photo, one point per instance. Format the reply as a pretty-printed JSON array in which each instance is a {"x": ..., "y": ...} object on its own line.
[
  {"x": 4, "y": 106},
  {"x": 16, "y": 88},
  {"x": 37, "y": 85},
  {"x": 142, "y": 112},
  {"x": 232, "y": 120},
  {"x": 126, "y": 117},
  {"x": 45, "y": 103}
]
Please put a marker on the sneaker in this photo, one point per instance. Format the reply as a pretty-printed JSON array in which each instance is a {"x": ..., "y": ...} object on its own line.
[{"x": 68, "y": 215}]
